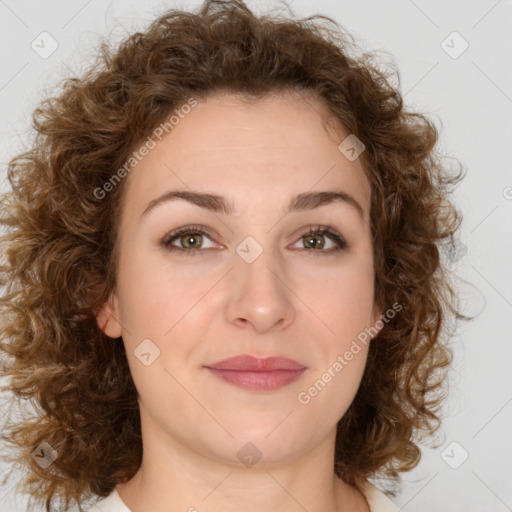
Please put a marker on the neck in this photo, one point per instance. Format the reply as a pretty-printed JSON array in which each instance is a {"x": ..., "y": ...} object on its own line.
[{"x": 175, "y": 475}]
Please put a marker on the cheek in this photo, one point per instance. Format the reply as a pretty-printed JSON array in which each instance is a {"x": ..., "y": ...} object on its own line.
[
  {"x": 157, "y": 299},
  {"x": 341, "y": 343},
  {"x": 341, "y": 301},
  {"x": 154, "y": 297}
]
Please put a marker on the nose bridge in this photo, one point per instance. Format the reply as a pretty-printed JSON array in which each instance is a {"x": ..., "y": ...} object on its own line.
[{"x": 259, "y": 294}]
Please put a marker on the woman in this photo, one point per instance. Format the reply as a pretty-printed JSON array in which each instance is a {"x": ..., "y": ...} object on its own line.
[{"x": 223, "y": 287}]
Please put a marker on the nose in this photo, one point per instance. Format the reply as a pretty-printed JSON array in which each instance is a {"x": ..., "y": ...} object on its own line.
[{"x": 260, "y": 298}]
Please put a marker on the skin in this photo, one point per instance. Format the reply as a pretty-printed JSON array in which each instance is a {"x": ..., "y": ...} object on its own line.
[{"x": 292, "y": 301}]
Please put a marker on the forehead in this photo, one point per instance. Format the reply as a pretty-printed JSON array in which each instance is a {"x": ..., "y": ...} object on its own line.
[
  {"x": 275, "y": 147},
  {"x": 229, "y": 123}
]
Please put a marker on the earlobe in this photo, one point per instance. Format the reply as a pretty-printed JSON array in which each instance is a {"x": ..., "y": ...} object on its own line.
[{"x": 107, "y": 318}]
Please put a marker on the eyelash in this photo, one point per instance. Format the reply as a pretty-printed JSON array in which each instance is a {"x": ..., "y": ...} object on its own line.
[{"x": 313, "y": 231}]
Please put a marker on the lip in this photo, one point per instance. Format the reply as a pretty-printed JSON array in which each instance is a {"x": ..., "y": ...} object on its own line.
[
  {"x": 256, "y": 374},
  {"x": 255, "y": 364}
]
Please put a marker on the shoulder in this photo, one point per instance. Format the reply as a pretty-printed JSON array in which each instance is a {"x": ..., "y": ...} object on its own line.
[{"x": 377, "y": 500}]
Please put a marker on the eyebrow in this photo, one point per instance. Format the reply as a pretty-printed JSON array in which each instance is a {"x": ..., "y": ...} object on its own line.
[{"x": 219, "y": 204}]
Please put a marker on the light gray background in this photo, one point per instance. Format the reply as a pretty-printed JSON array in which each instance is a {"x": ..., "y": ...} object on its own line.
[{"x": 470, "y": 99}]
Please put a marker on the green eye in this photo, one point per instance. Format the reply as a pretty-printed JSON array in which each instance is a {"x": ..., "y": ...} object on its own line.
[{"x": 191, "y": 238}]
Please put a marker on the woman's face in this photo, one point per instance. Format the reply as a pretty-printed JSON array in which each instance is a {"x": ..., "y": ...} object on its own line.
[{"x": 252, "y": 282}]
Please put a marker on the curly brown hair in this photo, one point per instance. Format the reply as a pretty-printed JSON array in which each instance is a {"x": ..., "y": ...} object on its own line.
[{"x": 60, "y": 244}]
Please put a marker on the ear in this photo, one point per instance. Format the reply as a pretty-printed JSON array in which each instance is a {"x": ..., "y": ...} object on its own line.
[{"x": 107, "y": 317}]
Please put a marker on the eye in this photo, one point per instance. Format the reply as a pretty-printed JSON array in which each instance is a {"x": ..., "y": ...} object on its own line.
[
  {"x": 189, "y": 239},
  {"x": 314, "y": 239}
]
